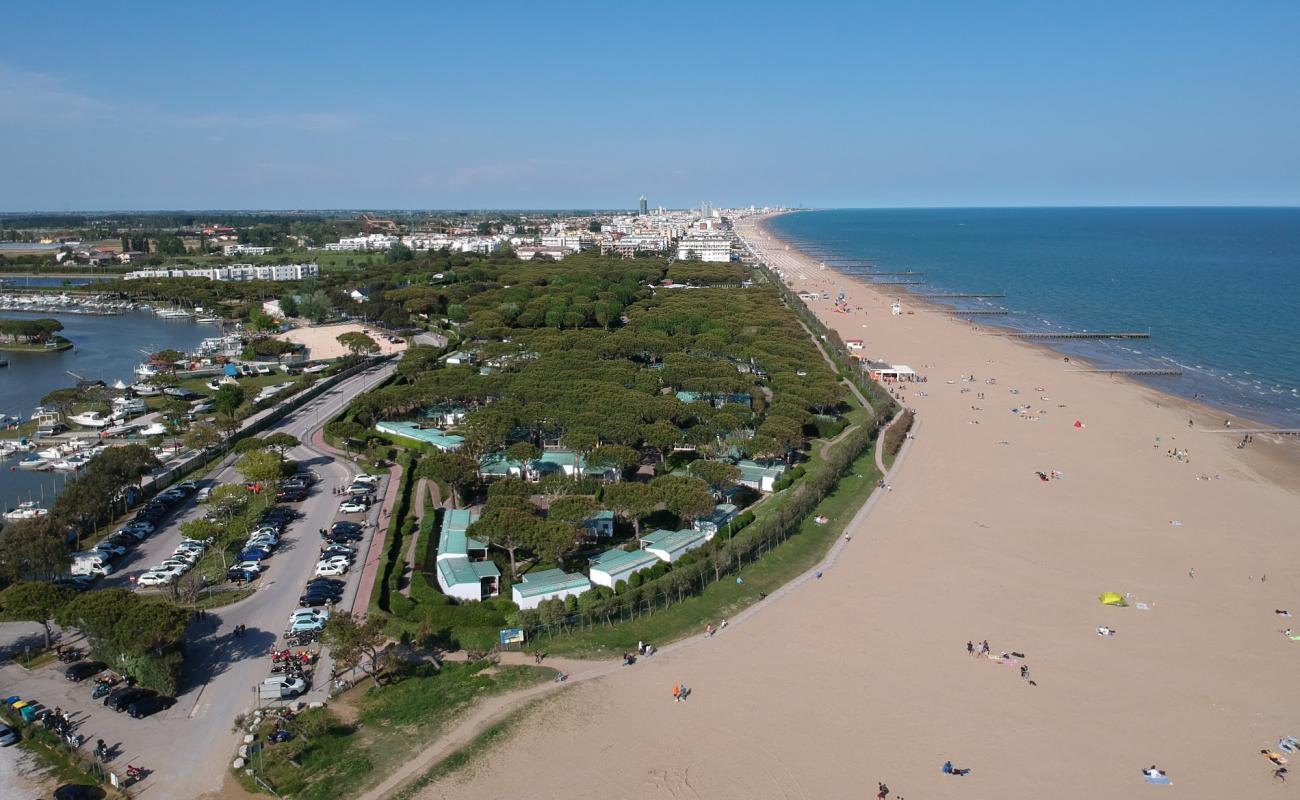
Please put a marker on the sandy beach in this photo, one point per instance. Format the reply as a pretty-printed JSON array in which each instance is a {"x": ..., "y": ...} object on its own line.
[{"x": 864, "y": 676}]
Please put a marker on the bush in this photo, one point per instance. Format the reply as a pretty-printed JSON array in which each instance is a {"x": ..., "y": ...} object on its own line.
[{"x": 895, "y": 435}]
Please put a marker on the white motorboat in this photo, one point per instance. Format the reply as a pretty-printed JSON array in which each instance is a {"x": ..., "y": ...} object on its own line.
[
  {"x": 33, "y": 461},
  {"x": 91, "y": 419},
  {"x": 29, "y": 509},
  {"x": 71, "y": 463},
  {"x": 156, "y": 429},
  {"x": 209, "y": 320},
  {"x": 173, "y": 313},
  {"x": 128, "y": 407},
  {"x": 146, "y": 390},
  {"x": 146, "y": 370},
  {"x": 52, "y": 453}
]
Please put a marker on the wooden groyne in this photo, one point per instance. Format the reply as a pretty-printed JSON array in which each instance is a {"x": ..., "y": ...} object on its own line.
[
  {"x": 1170, "y": 371},
  {"x": 1045, "y": 335}
]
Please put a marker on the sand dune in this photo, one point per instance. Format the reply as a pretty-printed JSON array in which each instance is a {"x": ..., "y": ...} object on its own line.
[{"x": 863, "y": 676}]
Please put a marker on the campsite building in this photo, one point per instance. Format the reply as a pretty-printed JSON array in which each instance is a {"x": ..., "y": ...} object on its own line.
[
  {"x": 548, "y": 584},
  {"x": 612, "y": 566},
  {"x": 710, "y": 525},
  {"x": 672, "y": 545},
  {"x": 463, "y": 569},
  {"x": 761, "y": 477},
  {"x": 413, "y": 432}
]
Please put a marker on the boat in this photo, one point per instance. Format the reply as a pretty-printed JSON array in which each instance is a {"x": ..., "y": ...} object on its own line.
[
  {"x": 210, "y": 320},
  {"x": 173, "y": 313},
  {"x": 147, "y": 370},
  {"x": 71, "y": 463},
  {"x": 146, "y": 390},
  {"x": 91, "y": 419},
  {"x": 29, "y": 509},
  {"x": 156, "y": 429},
  {"x": 128, "y": 407},
  {"x": 33, "y": 461}
]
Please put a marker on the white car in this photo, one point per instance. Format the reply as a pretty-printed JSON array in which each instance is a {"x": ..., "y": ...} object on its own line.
[
  {"x": 269, "y": 542},
  {"x": 249, "y": 566},
  {"x": 351, "y": 507},
  {"x": 195, "y": 543},
  {"x": 176, "y": 564},
  {"x": 370, "y": 479},
  {"x": 344, "y": 560},
  {"x": 331, "y": 570},
  {"x": 186, "y": 554},
  {"x": 153, "y": 578},
  {"x": 309, "y": 613},
  {"x": 110, "y": 548}
]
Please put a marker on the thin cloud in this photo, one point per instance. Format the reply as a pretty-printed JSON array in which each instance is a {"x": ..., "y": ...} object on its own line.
[{"x": 38, "y": 98}]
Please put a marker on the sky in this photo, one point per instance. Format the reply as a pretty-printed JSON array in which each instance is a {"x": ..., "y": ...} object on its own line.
[{"x": 279, "y": 105}]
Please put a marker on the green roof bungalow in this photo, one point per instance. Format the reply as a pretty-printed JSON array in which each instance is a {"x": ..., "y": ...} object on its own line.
[
  {"x": 463, "y": 571},
  {"x": 546, "y": 585},
  {"x": 413, "y": 432},
  {"x": 672, "y": 545},
  {"x": 759, "y": 476},
  {"x": 710, "y": 525},
  {"x": 612, "y": 566},
  {"x": 599, "y": 524},
  {"x": 552, "y": 462}
]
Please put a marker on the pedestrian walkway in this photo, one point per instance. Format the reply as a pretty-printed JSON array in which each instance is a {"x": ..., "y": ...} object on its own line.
[{"x": 424, "y": 489}]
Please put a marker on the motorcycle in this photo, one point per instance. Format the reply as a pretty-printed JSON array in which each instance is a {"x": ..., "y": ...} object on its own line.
[
  {"x": 70, "y": 655},
  {"x": 102, "y": 687},
  {"x": 134, "y": 773},
  {"x": 74, "y": 740},
  {"x": 101, "y": 751}
]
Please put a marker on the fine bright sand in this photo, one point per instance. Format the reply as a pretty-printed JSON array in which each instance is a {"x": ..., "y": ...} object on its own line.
[
  {"x": 863, "y": 676},
  {"x": 322, "y": 340}
]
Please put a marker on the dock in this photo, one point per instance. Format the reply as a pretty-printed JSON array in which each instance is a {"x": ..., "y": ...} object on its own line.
[
  {"x": 1169, "y": 371},
  {"x": 1047, "y": 335},
  {"x": 963, "y": 296}
]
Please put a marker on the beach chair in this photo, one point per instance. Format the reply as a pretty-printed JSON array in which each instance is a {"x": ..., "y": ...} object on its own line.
[{"x": 1289, "y": 744}]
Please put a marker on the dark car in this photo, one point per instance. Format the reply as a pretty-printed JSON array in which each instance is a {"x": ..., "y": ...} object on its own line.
[
  {"x": 345, "y": 526},
  {"x": 83, "y": 669},
  {"x": 76, "y": 791},
  {"x": 291, "y": 495},
  {"x": 334, "y": 549},
  {"x": 149, "y": 704},
  {"x": 119, "y": 702},
  {"x": 77, "y": 583},
  {"x": 319, "y": 598},
  {"x": 253, "y": 554},
  {"x": 237, "y": 574},
  {"x": 326, "y": 583}
]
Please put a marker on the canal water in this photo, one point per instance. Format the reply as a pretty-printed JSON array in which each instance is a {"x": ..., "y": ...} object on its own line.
[{"x": 105, "y": 348}]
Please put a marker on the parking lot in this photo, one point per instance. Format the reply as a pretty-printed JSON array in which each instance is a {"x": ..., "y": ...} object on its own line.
[{"x": 189, "y": 746}]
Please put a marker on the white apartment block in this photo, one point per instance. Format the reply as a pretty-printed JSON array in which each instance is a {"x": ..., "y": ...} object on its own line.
[
  {"x": 233, "y": 272},
  {"x": 526, "y": 252},
  {"x": 373, "y": 241},
  {"x": 705, "y": 247},
  {"x": 245, "y": 250},
  {"x": 574, "y": 241}
]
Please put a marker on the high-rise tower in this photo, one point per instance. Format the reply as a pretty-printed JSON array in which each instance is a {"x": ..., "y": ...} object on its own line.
[{"x": 645, "y": 207}]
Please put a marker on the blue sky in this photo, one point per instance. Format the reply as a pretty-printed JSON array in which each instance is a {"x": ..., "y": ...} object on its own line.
[{"x": 565, "y": 105}]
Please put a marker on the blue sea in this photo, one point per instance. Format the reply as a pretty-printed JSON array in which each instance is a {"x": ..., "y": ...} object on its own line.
[{"x": 1217, "y": 288}]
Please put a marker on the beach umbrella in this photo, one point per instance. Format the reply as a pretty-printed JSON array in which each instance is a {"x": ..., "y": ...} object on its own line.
[{"x": 1112, "y": 599}]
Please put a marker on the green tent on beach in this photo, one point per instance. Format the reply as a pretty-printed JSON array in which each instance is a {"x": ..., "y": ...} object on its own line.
[{"x": 1112, "y": 599}]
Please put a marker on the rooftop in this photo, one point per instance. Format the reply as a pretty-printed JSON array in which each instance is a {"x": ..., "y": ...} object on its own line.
[
  {"x": 433, "y": 436},
  {"x": 623, "y": 561},
  {"x": 548, "y": 581},
  {"x": 673, "y": 542}
]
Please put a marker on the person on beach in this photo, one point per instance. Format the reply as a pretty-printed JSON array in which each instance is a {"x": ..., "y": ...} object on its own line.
[
  {"x": 1279, "y": 774},
  {"x": 677, "y": 693},
  {"x": 970, "y": 648},
  {"x": 984, "y": 648},
  {"x": 708, "y": 629},
  {"x": 882, "y": 791}
]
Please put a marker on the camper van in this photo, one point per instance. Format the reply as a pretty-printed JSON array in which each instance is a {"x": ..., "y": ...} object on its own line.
[{"x": 90, "y": 563}]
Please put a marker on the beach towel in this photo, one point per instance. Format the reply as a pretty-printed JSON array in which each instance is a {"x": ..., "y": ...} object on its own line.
[
  {"x": 1142, "y": 606},
  {"x": 1159, "y": 780},
  {"x": 1294, "y": 638},
  {"x": 1006, "y": 662}
]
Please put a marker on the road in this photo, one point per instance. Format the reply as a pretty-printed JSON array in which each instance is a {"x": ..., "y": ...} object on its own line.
[{"x": 190, "y": 746}]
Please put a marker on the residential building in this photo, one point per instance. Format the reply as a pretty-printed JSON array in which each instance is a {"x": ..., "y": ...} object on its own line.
[
  {"x": 370, "y": 241},
  {"x": 526, "y": 252},
  {"x": 710, "y": 525},
  {"x": 233, "y": 272},
  {"x": 548, "y": 584},
  {"x": 705, "y": 247},
  {"x": 244, "y": 250},
  {"x": 463, "y": 569},
  {"x": 759, "y": 476},
  {"x": 612, "y": 566}
]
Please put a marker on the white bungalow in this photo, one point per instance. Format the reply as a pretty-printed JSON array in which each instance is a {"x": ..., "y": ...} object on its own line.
[
  {"x": 672, "y": 545},
  {"x": 612, "y": 566},
  {"x": 534, "y": 587},
  {"x": 463, "y": 571}
]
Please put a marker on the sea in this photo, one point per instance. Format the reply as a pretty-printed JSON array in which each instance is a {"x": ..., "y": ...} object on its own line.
[
  {"x": 106, "y": 348},
  {"x": 1217, "y": 288}
]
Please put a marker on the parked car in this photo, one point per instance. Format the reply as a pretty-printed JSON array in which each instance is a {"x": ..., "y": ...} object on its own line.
[
  {"x": 83, "y": 669},
  {"x": 156, "y": 578},
  {"x": 253, "y": 554},
  {"x": 242, "y": 574},
  {"x": 333, "y": 549},
  {"x": 309, "y": 613},
  {"x": 305, "y": 626},
  {"x": 291, "y": 495},
  {"x": 114, "y": 550},
  {"x": 8, "y": 736},
  {"x": 332, "y": 569},
  {"x": 281, "y": 688},
  {"x": 203, "y": 495},
  {"x": 149, "y": 704},
  {"x": 351, "y": 507},
  {"x": 361, "y": 489},
  {"x": 77, "y": 583},
  {"x": 119, "y": 699}
]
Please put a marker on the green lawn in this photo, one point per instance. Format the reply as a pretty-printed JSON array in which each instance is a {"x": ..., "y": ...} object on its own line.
[{"x": 329, "y": 758}]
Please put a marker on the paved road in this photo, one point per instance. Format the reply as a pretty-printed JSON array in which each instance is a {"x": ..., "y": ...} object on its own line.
[{"x": 190, "y": 746}]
